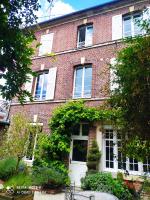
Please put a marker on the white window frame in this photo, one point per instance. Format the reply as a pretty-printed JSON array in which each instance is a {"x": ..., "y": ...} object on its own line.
[
  {"x": 132, "y": 24},
  {"x": 115, "y": 169},
  {"x": 77, "y": 137},
  {"x": 40, "y": 99},
  {"x": 84, "y": 43},
  {"x": 83, "y": 76}
]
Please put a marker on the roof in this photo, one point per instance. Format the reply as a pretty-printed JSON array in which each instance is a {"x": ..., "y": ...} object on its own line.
[{"x": 86, "y": 12}]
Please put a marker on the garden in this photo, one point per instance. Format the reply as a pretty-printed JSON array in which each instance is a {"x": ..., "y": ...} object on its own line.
[{"x": 49, "y": 171}]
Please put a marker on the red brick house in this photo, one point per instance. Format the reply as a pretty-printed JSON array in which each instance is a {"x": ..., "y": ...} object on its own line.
[{"x": 84, "y": 43}]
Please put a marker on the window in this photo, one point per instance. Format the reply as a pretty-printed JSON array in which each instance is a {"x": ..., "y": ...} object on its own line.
[
  {"x": 85, "y": 36},
  {"x": 146, "y": 166},
  {"x": 83, "y": 82},
  {"x": 46, "y": 44},
  {"x": 31, "y": 146},
  {"x": 41, "y": 86},
  {"x": 114, "y": 160},
  {"x": 80, "y": 142},
  {"x": 109, "y": 149},
  {"x": 130, "y": 26}
]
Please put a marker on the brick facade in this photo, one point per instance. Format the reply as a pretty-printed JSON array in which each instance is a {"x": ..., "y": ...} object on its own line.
[{"x": 68, "y": 57}]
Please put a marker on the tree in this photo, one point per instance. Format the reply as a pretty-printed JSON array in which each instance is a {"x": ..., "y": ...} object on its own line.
[
  {"x": 15, "y": 46},
  {"x": 16, "y": 140},
  {"x": 132, "y": 96}
]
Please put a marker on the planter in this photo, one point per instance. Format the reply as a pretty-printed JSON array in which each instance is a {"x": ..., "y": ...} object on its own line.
[
  {"x": 53, "y": 191},
  {"x": 4, "y": 196},
  {"x": 51, "y": 188}
]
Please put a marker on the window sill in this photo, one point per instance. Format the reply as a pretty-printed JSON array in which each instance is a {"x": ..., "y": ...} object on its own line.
[
  {"x": 76, "y": 98},
  {"x": 133, "y": 175},
  {"x": 84, "y": 46}
]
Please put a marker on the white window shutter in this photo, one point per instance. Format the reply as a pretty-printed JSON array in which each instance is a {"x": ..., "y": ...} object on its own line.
[
  {"x": 51, "y": 83},
  {"x": 28, "y": 85},
  {"x": 146, "y": 15},
  {"x": 113, "y": 85},
  {"x": 46, "y": 44},
  {"x": 117, "y": 27}
]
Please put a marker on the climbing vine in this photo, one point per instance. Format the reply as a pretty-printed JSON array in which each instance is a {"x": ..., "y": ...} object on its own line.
[{"x": 55, "y": 147}]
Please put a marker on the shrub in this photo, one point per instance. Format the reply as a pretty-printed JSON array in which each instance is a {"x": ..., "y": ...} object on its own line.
[
  {"x": 146, "y": 186},
  {"x": 19, "y": 180},
  {"x": 48, "y": 177},
  {"x": 104, "y": 182},
  {"x": 93, "y": 157},
  {"x": 8, "y": 168}
]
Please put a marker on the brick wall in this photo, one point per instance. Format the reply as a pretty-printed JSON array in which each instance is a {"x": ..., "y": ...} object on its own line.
[
  {"x": 65, "y": 35},
  {"x": 65, "y": 38}
]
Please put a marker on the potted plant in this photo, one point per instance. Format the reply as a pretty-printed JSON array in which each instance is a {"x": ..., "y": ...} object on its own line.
[{"x": 93, "y": 157}]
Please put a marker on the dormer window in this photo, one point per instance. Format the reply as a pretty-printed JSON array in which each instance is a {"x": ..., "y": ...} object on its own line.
[{"x": 85, "y": 36}]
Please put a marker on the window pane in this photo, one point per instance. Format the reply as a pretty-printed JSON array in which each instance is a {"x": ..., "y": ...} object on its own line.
[
  {"x": 45, "y": 86},
  {"x": 81, "y": 36},
  {"x": 137, "y": 29},
  {"x": 133, "y": 164},
  {"x": 80, "y": 150},
  {"x": 76, "y": 130},
  {"x": 109, "y": 147},
  {"x": 87, "y": 82},
  {"x": 89, "y": 35},
  {"x": 85, "y": 129},
  {"x": 78, "y": 83},
  {"x": 121, "y": 158},
  {"x": 39, "y": 86},
  {"x": 109, "y": 133},
  {"x": 146, "y": 166},
  {"x": 127, "y": 26}
]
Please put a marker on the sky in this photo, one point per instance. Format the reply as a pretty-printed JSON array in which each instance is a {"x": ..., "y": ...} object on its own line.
[{"x": 62, "y": 7}]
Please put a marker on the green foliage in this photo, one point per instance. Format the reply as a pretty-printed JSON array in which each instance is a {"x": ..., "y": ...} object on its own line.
[
  {"x": 67, "y": 116},
  {"x": 132, "y": 71},
  {"x": 15, "y": 46},
  {"x": 53, "y": 149},
  {"x": 120, "y": 176},
  {"x": 146, "y": 186},
  {"x": 7, "y": 168},
  {"x": 93, "y": 157},
  {"x": 19, "y": 180},
  {"x": 48, "y": 177},
  {"x": 105, "y": 183},
  {"x": 16, "y": 140}
]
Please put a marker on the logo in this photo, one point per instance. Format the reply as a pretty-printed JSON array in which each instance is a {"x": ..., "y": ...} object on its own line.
[{"x": 10, "y": 190}]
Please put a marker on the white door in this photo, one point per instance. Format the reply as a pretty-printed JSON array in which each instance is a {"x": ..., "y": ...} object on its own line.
[{"x": 78, "y": 155}]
